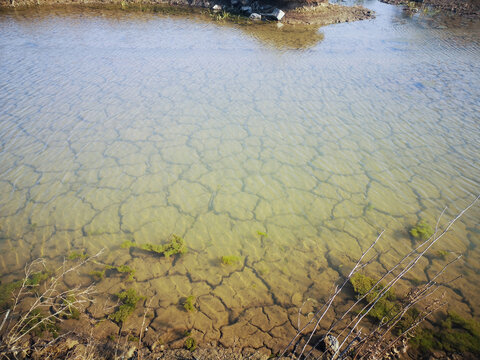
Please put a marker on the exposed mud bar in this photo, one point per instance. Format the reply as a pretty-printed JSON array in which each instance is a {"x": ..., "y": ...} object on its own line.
[
  {"x": 466, "y": 8},
  {"x": 289, "y": 12},
  {"x": 325, "y": 14}
]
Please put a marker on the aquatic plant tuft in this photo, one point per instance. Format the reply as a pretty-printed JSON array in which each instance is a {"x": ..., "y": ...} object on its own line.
[
  {"x": 422, "y": 230},
  {"x": 123, "y": 269},
  {"x": 385, "y": 308},
  {"x": 456, "y": 335},
  {"x": 129, "y": 299},
  {"x": 230, "y": 259},
  {"x": 189, "y": 303},
  {"x": 175, "y": 246},
  {"x": 190, "y": 344},
  {"x": 40, "y": 323},
  {"x": 75, "y": 255},
  {"x": 97, "y": 274},
  {"x": 71, "y": 312}
]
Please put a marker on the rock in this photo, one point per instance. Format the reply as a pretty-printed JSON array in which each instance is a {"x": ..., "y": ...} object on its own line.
[
  {"x": 131, "y": 352},
  {"x": 255, "y": 17},
  {"x": 247, "y": 9},
  {"x": 276, "y": 14},
  {"x": 234, "y": 2},
  {"x": 70, "y": 343},
  {"x": 244, "y": 2},
  {"x": 331, "y": 343},
  {"x": 217, "y": 7}
]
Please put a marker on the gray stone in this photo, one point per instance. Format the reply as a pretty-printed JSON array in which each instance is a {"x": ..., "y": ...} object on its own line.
[
  {"x": 276, "y": 14},
  {"x": 217, "y": 7},
  {"x": 247, "y": 9},
  {"x": 255, "y": 16},
  {"x": 234, "y": 2},
  {"x": 331, "y": 343},
  {"x": 130, "y": 352}
]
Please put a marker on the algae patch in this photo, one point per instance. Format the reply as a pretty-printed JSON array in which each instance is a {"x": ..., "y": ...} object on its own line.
[
  {"x": 385, "y": 307},
  {"x": 71, "y": 311},
  {"x": 422, "y": 230},
  {"x": 122, "y": 269},
  {"x": 456, "y": 335},
  {"x": 129, "y": 299},
  {"x": 189, "y": 303},
  {"x": 37, "y": 321},
  {"x": 7, "y": 289},
  {"x": 175, "y": 246},
  {"x": 190, "y": 344},
  {"x": 230, "y": 259},
  {"x": 75, "y": 255}
]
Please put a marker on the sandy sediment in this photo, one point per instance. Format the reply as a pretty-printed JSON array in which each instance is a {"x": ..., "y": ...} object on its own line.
[
  {"x": 470, "y": 8},
  {"x": 325, "y": 14}
]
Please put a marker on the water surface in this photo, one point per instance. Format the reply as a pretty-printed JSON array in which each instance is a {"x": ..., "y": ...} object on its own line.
[{"x": 132, "y": 126}]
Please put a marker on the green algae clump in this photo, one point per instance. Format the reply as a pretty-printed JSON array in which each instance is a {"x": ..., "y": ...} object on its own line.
[
  {"x": 190, "y": 344},
  {"x": 422, "y": 230},
  {"x": 385, "y": 308},
  {"x": 189, "y": 303},
  {"x": 456, "y": 335},
  {"x": 129, "y": 299},
  {"x": 75, "y": 255},
  {"x": 126, "y": 269},
  {"x": 230, "y": 259},
  {"x": 7, "y": 290},
  {"x": 37, "y": 321},
  {"x": 97, "y": 274},
  {"x": 442, "y": 254},
  {"x": 122, "y": 269},
  {"x": 36, "y": 278},
  {"x": 175, "y": 246},
  {"x": 460, "y": 334},
  {"x": 71, "y": 311}
]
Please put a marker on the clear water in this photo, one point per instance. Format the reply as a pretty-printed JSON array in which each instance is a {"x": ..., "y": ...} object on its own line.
[{"x": 122, "y": 126}]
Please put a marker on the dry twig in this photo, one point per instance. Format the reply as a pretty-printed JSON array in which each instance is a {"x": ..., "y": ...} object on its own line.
[
  {"x": 40, "y": 306},
  {"x": 377, "y": 343}
]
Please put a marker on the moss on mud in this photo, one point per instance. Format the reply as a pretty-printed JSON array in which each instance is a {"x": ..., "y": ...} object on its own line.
[
  {"x": 422, "y": 230},
  {"x": 456, "y": 335},
  {"x": 189, "y": 303},
  {"x": 129, "y": 299},
  {"x": 175, "y": 246},
  {"x": 230, "y": 259}
]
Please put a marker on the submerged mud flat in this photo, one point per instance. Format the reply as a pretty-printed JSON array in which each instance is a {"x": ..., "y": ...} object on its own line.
[{"x": 132, "y": 127}]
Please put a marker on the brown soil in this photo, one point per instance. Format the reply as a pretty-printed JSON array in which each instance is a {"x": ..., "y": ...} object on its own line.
[
  {"x": 470, "y": 8},
  {"x": 325, "y": 13},
  {"x": 89, "y": 347}
]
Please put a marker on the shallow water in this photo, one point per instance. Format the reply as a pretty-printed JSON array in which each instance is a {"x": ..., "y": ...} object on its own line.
[{"x": 134, "y": 126}]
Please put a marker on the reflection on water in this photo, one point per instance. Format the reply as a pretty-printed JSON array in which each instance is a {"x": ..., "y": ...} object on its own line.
[
  {"x": 277, "y": 35},
  {"x": 131, "y": 126}
]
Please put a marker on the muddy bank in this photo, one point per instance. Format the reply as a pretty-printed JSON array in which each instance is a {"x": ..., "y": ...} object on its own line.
[
  {"x": 325, "y": 13},
  {"x": 470, "y": 8},
  {"x": 299, "y": 13}
]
